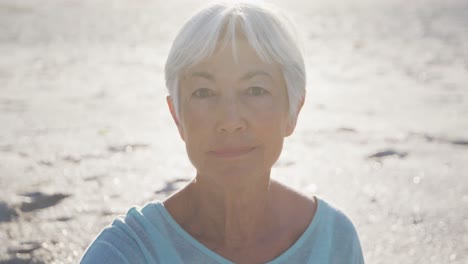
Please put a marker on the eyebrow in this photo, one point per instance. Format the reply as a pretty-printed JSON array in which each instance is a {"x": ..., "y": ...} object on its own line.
[
  {"x": 254, "y": 73},
  {"x": 248, "y": 75},
  {"x": 203, "y": 75}
]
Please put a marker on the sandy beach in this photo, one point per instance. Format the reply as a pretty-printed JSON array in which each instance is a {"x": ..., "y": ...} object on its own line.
[{"x": 85, "y": 132}]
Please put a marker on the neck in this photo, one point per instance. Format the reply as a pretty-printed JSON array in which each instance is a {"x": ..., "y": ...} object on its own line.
[{"x": 232, "y": 217}]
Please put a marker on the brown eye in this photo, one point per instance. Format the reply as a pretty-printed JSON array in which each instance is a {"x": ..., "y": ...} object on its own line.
[
  {"x": 256, "y": 91},
  {"x": 203, "y": 93}
]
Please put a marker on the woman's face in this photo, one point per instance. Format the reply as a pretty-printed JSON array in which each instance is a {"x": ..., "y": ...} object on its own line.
[{"x": 233, "y": 115}]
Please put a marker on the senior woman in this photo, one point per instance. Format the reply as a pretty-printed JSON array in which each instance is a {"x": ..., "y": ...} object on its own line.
[{"x": 236, "y": 80}]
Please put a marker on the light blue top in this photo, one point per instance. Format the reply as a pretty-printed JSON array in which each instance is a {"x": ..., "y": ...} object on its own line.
[{"x": 151, "y": 235}]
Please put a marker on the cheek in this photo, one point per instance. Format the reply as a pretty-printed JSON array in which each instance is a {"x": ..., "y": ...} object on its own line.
[
  {"x": 195, "y": 133},
  {"x": 269, "y": 123},
  {"x": 265, "y": 117},
  {"x": 196, "y": 129},
  {"x": 268, "y": 110},
  {"x": 269, "y": 129},
  {"x": 195, "y": 142},
  {"x": 195, "y": 119}
]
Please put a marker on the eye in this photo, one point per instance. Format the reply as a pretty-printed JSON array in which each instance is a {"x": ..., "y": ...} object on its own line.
[
  {"x": 256, "y": 91},
  {"x": 203, "y": 93}
]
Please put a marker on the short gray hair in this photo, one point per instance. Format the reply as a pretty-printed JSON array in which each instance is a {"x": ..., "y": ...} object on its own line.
[{"x": 268, "y": 32}]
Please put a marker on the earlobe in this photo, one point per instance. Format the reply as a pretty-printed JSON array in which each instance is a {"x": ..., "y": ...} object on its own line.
[
  {"x": 170, "y": 104},
  {"x": 293, "y": 121},
  {"x": 290, "y": 127}
]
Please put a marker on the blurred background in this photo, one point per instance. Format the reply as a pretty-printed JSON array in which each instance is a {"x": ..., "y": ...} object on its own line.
[{"x": 85, "y": 132}]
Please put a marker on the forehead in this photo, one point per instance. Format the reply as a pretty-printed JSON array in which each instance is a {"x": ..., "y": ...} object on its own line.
[{"x": 234, "y": 56}]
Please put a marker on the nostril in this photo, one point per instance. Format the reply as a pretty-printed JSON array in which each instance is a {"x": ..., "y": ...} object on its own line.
[
  {"x": 231, "y": 127},
  {"x": 230, "y": 118},
  {"x": 232, "y": 123}
]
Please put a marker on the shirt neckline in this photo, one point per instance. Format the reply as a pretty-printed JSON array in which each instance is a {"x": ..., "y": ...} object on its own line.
[{"x": 314, "y": 222}]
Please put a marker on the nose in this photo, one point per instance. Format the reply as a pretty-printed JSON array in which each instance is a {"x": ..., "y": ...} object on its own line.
[{"x": 230, "y": 119}]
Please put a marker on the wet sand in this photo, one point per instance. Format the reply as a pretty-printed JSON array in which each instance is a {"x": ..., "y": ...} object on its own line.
[{"x": 85, "y": 132}]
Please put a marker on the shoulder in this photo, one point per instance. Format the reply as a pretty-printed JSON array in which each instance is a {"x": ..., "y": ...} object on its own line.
[
  {"x": 297, "y": 208},
  {"x": 336, "y": 221},
  {"x": 126, "y": 240},
  {"x": 340, "y": 221},
  {"x": 285, "y": 196},
  {"x": 342, "y": 234}
]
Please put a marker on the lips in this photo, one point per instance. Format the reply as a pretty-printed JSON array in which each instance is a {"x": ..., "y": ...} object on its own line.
[{"x": 231, "y": 152}]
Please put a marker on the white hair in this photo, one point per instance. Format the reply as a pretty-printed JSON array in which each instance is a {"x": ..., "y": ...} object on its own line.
[{"x": 267, "y": 31}]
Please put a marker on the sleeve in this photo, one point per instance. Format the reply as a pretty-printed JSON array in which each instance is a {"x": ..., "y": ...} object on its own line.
[
  {"x": 346, "y": 241},
  {"x": 113, "y": 245},
  {"x": 358, "y": 258},
  {"x": 103, "y": 252}
]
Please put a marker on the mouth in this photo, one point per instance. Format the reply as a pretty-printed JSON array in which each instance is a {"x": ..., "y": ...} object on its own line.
[{"x": 231, "y": 152}]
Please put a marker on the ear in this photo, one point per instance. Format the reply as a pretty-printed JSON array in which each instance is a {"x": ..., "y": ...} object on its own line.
[
  {"x": 291, "y": 125},
  {"x": 170, "y": 104}
]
